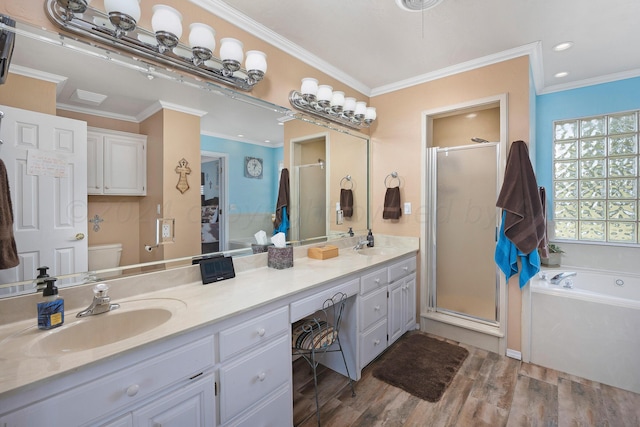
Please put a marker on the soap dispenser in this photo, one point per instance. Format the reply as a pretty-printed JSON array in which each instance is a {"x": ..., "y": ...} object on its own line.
[
  {"x": 40, "y": 280},
  {"x": 370, "y": 239},
  {"x": 51, "y": 310}
]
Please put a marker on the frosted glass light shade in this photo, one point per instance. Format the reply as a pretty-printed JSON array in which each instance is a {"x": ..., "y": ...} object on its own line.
[
  {"x": 324, "y": 93},
  {"x": 231, "y": 50},
  {"x": 202, "y": 35},
  {"x": 166, "y": 18},
  {"x": 128, "y": 7},
  {"x": 370, "y": 115},
  {"x": 309, "y": 86},
  {"x": 256, "y": 61},
  {"x": 337, "y": 99},
  {"x": 361, "y": 110},
  {"x": 349, "y": 105}
]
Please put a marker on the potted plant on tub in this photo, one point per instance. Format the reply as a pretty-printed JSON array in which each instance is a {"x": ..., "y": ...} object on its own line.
[{"x": 555, "y": 255}]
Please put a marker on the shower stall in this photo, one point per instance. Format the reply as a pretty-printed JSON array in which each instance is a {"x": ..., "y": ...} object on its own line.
[
  {"x": 311, "y": 201},
  {"x": 463, "y": 294}
]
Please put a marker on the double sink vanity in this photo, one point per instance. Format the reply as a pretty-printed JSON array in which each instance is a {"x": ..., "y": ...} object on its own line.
[{"x": 179, "y": 353}]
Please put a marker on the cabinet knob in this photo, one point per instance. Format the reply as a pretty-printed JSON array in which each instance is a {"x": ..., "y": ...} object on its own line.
[
  {"x": 376, "y": 342},
  {"x": 262, "y": 376},
  {"x": 132, "y": 390},
  {"x": 377, "y": 281},
  {"x": 376, "y": 308},
  {"x": 405, "y": 268},
  {"x": 261, "y": 332}
]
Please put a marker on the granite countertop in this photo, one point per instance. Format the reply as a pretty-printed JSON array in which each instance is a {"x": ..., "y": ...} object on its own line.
[{"x": 200, "y": 306}]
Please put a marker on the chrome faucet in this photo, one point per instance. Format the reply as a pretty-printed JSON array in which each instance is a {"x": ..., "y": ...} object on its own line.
[
  {"x": 563, "y": 277},
  {"x": 101, "y": 302},
  {"x": 361, "y": 244}
]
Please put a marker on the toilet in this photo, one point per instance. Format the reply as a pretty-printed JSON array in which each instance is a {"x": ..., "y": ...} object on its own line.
[{"x": 102, "y": 257}]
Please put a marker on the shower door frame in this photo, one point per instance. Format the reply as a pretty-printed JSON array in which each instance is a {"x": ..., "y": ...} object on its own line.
[{"x": 488, "y": 335}]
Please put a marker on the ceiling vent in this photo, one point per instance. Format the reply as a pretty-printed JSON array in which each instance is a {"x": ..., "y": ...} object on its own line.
[{"x": 417, "y": 5}]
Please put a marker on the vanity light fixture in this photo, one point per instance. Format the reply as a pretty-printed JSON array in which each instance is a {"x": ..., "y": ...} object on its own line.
[
  {"x": 117, "y": 26},
  {"x": 323, "y": 102}
]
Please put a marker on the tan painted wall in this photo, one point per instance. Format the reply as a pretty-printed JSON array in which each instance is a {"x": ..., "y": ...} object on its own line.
[
  {"x": 459, "y": 129},
  {"x": 397, "y": 144},
  {"x": 29, "y": 94}
]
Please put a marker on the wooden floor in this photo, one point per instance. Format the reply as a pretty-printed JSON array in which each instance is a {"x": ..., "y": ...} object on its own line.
[{"x": 488, "y": 390}]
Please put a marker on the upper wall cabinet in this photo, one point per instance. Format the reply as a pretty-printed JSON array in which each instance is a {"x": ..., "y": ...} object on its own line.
[{"x": 117, "y": 163}]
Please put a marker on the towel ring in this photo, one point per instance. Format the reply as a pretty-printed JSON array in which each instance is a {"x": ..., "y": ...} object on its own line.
[
  {"x": 1, "y": 116},
  {"x": 392, "y": 175},
  {"x": 348, "y": 179}
]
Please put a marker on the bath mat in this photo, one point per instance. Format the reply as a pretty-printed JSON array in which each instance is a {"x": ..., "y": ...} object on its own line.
[{"x": 420, "y": 365}]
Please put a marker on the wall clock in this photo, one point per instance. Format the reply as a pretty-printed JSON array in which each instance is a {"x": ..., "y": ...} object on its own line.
[{"x": 253, "y": 167}]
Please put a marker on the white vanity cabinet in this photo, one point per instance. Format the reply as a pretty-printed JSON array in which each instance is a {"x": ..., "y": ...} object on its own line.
[
  {"x": 255, "y": 370},
  {"x": 116, "y": 163},
  {"x": 402, "y": 298},
  {"x": 165, "y": 384}
]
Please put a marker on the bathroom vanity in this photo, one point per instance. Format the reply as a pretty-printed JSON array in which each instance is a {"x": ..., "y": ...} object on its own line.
[{"x": 202, "y": 355}]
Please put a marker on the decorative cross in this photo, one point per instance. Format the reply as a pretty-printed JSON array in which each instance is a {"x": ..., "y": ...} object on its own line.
[
  {"x": 96, "y": 220},
  {"x": 183, "y": 169}
]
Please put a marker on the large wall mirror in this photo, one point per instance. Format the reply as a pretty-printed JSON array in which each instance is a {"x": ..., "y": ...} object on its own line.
[{"x": 233, "y": 128}]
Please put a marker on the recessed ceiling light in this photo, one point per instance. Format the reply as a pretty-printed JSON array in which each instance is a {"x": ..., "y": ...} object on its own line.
[
  {"x": 471, "y": 116},
  {"x": 267, "y": 141},
  {"x": 562, "y": 46},
  {"x": 561, "y": 74},
  {"x": 240, "y": 135}
]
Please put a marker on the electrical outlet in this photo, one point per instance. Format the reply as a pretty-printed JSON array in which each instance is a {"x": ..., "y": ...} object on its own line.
[{"x": 165, "y": 230}]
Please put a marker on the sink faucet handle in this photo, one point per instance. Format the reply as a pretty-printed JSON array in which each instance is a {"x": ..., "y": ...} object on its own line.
[{"x": 101, "y": 289}]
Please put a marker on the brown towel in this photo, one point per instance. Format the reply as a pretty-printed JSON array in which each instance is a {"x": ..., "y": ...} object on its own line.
[
  {"x": 544, "y": 242},
  {"x": 8, "y": 251},
  {"x": 519, "y": 197},
  {"x": 392, "y": 208},
  {"x": 346, "y": 202},
  {"x": 283, "y": 201}
]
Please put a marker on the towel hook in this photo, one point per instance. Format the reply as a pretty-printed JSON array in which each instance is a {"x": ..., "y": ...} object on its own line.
[
  {"x": 392, "y": 175},
  {"x": 348, "y": 179}
]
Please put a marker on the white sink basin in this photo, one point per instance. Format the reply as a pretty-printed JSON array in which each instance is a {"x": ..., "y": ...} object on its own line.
[
  {"x": 133, "y": 318},
  {"x": 377, "y": 251}
]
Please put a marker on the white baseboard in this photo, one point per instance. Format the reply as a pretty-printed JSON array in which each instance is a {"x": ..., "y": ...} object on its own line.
[{"x": 514, "y": 354}]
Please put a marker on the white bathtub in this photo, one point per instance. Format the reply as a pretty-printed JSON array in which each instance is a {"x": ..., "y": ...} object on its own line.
[{"x": 592, "y": 330}]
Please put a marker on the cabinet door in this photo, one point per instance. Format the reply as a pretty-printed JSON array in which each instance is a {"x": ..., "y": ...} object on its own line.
[
  {"x": 94, "y": 163},
  {"x": 192, "y": 405},
  {"x": 124, "y": 165},
  {"x": 394, "y": 315},
  {"x": 409, "y": 303}
]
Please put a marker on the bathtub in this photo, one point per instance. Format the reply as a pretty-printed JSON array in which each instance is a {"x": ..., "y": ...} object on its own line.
[{"x": 591, "y": 330}]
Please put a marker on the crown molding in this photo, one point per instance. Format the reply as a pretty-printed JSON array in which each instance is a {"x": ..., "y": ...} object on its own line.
[
  {"x": 533, "y": 50},
  {"x": 272, "y": 144},
  {"x": 592, "y": 81},
  {"x": 233, "y": 16},
  {"x": 164, "y": 105},
  {"x": 59, "y": 80},
  {"x": 97, "y": 113}
]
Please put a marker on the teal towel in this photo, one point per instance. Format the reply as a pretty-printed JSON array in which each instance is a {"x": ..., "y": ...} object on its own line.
[{"x": 506, "y": 256}]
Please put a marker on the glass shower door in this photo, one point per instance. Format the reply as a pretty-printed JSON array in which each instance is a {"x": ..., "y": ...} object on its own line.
[
  {"x": 312, "y": 201},
  {"x": 465, "y": 193}
]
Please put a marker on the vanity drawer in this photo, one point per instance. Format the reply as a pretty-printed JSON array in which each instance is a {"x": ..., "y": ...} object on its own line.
[
  {"x": 253, "y": 332},
  {"x": 373, "y": 343},
  {"x": 401, "y": 269},
  {"x": 373, "y": 281},
  {"x": 311, "y": 304},
  {"x": 117, "y": 390},
  {"x": 276, "y": 410},
  {"x": 373, "y": 307},
  {"x": 248, "y": 379}
]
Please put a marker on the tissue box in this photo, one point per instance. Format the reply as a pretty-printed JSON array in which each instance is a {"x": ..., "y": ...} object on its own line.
[
  {"x": 280, "y": 258},
  {"x": 323, "y": 252},
  {"x": 258, "y": 249}
]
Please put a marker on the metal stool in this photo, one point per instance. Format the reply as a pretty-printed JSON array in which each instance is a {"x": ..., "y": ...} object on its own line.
[{"x": 317, "y": 335}]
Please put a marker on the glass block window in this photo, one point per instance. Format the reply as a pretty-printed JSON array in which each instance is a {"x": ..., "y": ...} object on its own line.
[{"x": 595, "y": 178}]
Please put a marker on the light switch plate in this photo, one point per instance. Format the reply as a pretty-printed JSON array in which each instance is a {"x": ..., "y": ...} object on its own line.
[{"x": 407, "y": 208}]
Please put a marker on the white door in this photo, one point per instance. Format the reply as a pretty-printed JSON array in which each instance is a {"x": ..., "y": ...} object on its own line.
[{"x": 46, "y": 160}]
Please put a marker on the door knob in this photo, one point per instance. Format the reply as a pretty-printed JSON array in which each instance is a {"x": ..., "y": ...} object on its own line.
[{"x": 79, "y": 236}]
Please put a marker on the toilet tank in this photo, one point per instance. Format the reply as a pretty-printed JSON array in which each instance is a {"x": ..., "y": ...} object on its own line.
[{"x": 102, "y": 257}]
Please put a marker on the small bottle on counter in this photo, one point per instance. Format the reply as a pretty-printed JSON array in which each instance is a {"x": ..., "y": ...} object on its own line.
[
  {"x": 370, "y": 239},
  {"x": 40, "y": 280},
  {"x": 51, "y": 310}
]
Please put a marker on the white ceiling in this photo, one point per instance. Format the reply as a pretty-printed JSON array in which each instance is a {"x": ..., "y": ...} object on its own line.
[
  {"x": 371, "y": 45},
  {"x": 377, "y": 47}
]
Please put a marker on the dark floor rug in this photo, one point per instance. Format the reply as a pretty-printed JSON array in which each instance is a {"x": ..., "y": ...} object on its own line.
[{"x": 420, "y": 365}]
